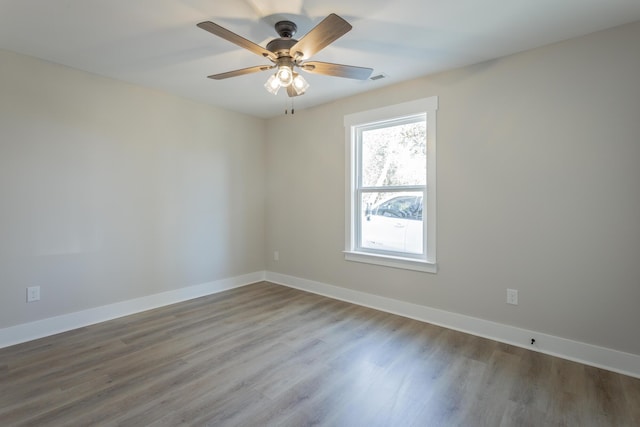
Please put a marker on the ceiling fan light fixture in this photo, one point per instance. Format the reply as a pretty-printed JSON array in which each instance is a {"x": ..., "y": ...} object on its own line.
[
  {"x": 284, "y": 75},
  {"x": 299, "y": 84},
  {"x": 272, "y": 85}
]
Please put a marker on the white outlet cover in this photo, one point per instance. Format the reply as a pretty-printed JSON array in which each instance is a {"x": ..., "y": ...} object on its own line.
[
  {"x": 33, "y": 293},
  {"x": 512, "y": 296}
]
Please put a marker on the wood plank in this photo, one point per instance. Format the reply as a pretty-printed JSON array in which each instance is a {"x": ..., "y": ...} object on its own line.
[{"x": 269, "y": 355}]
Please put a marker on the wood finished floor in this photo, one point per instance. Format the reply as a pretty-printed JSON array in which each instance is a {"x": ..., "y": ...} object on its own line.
[{"x": 267, "y": 355}]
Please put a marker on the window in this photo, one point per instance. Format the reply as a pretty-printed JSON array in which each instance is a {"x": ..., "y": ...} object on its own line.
[{"x": 390, "y": 202}]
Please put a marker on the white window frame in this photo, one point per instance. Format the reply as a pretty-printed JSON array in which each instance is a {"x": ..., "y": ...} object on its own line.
[{"x": 427, "y": 261}]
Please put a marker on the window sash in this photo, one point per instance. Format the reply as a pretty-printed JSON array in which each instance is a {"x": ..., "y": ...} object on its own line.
[
  {"x": 358, "y": 193},
  {"x": 361, "y": 189}
]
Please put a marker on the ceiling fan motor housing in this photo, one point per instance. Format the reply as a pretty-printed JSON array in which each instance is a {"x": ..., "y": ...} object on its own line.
[{"x": 281, "y": 46}]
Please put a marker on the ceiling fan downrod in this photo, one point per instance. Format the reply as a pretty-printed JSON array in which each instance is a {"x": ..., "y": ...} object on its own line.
[{"x": 286, "y": 29}]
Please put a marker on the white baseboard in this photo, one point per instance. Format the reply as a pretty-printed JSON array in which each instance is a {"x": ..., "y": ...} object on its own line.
[
  {"x": 588, "y": 354},
  {"x": 601, "y": 357},
  {"x": 66, "y": 322}
]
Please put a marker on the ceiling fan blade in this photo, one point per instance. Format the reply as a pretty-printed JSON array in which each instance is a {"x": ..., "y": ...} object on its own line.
[
  {"x": 234, "y": 38},
  {"x": 326, "y": 32},
  {"x": 337, "y": 70},
  {"x": 240, "y": 72}
]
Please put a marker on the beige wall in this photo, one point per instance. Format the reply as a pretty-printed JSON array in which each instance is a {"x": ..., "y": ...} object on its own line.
[
  {"x": 538, "y": 190},
  {"x": 110, "y": 191}
]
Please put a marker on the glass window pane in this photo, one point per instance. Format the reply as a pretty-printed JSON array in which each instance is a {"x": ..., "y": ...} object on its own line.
[
  {"x": 392, "y": 221},
  {"x": 394, "y": 155}
]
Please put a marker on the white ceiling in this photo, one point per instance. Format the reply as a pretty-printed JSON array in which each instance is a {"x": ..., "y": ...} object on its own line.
[{"x": 156, "y": 43}]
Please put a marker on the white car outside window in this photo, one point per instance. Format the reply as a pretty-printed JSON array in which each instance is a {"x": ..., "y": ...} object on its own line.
[{"x": 394, "y": 225}]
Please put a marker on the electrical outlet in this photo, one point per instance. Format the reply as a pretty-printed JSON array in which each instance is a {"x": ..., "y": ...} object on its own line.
[
  {"x": 33, "y": 293},
  {"x": 276, "y": 256},
  {"x": 512, "y": 296}
]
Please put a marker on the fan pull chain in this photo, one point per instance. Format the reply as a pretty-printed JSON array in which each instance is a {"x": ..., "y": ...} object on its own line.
[{"x": 286, "y": 110}]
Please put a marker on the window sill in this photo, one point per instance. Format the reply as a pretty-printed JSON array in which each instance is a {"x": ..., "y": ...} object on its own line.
[{"x": 390, "y": 261}]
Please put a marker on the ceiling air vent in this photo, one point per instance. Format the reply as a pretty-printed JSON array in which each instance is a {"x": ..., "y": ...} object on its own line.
[{"x": 378, "y": 76}]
